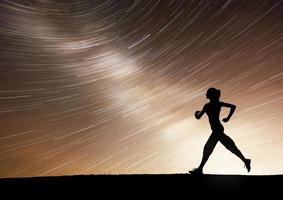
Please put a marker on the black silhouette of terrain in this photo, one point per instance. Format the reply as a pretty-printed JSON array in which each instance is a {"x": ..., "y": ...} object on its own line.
[{"x": 146, "y": 185}]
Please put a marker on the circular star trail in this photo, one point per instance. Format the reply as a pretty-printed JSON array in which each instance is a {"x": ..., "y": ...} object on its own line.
[{"x": 94, "y": 87}]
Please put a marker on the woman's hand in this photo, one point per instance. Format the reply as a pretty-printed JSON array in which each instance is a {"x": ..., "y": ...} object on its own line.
[
  {"x": 225, "y": 119},
  {"x": 197, "y": 114}
]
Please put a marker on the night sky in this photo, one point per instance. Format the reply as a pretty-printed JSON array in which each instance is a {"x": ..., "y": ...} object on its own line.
[{"x": 94, "y": 87}]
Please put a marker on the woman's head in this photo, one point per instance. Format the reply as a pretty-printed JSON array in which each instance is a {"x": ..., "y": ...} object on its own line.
[{"x": 213, "y": 94}]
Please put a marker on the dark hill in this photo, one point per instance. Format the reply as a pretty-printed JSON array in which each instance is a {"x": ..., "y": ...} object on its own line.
[{"x": 143, "y": 185}]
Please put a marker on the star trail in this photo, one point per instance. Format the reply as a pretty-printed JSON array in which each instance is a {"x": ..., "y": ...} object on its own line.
[{"x": 111, "y": 87}]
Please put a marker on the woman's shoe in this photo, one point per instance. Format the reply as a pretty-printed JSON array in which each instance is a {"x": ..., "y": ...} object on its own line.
[
  {"x": 248, "y": 164},
  {"x": 196, "y": 171}
]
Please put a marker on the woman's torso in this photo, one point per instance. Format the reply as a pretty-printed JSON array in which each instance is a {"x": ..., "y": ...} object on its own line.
[{"x": 213, "y": 112}]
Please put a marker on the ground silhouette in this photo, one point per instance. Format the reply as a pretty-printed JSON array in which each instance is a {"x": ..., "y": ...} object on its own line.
[{"x": 174, "y": 185}]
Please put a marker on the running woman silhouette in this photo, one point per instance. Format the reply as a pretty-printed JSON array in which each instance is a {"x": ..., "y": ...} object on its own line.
[{"x": 212, "y": 109}]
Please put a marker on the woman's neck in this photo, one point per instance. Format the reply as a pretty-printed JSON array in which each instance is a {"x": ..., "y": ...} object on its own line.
[{"x": 214, "y": 101}]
